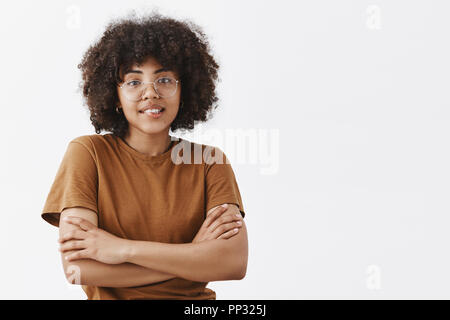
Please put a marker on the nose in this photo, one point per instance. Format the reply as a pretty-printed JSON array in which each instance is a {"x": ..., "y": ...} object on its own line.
[{"x": 149, "y": 92}]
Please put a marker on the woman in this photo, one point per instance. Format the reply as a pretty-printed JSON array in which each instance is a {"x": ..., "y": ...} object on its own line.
[{"x": 139, "y": 216}]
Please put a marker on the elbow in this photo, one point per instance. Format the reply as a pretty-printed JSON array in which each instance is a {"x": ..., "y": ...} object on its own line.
[
  {"x": 239, "y": 267},
  {"x": 240, "y": 272},
  {"x": 237, "y": 263},
  {"x": 243, "y": 273},
  {"x": 240, "y": 264},
  {"x": 229, "y": 270},
  {"x": 230, "y": 273},
  {"x": 73, "y": 274}
]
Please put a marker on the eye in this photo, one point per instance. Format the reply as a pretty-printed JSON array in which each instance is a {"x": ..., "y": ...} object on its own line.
[
  {"x": 133, "y": 83},
  {"x": 165, "y": 80}
]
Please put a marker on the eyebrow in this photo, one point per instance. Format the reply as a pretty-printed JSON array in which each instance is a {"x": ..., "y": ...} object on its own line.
[{"x": 140, "y": 72}]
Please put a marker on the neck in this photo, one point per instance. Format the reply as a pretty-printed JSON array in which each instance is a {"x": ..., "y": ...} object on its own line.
[{"x": 149, "y": 144}]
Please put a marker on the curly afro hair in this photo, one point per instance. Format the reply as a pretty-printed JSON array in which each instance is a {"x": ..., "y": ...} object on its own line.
[{"x": 180, "y": 46}]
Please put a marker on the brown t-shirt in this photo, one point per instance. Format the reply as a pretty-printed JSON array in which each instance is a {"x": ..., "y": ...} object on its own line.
[{"x": 161, "y": 198}]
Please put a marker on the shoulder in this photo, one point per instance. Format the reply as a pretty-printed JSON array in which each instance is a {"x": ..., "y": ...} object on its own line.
[
  {"x": 94, "y": 144},
  {"x": 84, "y": 140},
  {"x": 89, "y": 138},
  {"x": 93, "y": 141}
]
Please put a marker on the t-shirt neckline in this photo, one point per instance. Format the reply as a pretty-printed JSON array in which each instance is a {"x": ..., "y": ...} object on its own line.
[{"x": 145, "y": 157}]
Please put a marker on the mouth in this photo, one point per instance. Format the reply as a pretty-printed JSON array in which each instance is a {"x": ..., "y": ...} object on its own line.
[{"x": 152, "y": 111}]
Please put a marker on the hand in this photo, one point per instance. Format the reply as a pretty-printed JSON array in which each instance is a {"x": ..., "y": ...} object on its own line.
[
  {"x": 220, "y": 224},
  {"x": 92, "y": 243}
]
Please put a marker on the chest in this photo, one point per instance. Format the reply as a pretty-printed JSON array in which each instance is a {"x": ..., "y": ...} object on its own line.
[{"x": 163, "y": 204}]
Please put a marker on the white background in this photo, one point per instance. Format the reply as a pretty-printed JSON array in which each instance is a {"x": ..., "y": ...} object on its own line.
[{"x": 358, "y": 92}]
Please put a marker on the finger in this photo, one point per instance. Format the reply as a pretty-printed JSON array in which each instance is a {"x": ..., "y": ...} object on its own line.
[
  {"x": 82, "y": 223},
  {"x": 213, "y": 215},
  {"x": 225, "y": 228},
  {"x": 218, "y": 209},
  {"x": 72, "y": 245},
  {"x": 224, "y": 219},
  {"x": 76, "y": 234},
  {"x": 82, "y": 254},
  {"x": 228, "y": 234}
]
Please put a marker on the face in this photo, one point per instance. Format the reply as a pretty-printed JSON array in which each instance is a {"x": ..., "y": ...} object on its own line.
[{"x": 140, "y": 122}]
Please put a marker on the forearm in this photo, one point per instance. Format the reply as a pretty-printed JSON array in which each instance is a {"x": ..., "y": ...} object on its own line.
[
  {"x": 205, "y": 261},
  {"x": 93, "y": 273}
]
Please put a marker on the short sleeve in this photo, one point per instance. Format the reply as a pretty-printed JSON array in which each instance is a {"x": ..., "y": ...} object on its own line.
[
  {"x": 221, "y": 185},
  {"x": 75, "y": 184}
]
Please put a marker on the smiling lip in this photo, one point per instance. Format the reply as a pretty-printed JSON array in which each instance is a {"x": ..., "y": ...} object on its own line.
[
  {"x": 153, "y": 115},
  {"x": 151, "y": 106}
]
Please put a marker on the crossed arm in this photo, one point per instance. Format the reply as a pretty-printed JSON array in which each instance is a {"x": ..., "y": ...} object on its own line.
[{"x": 148, "y": 262}]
